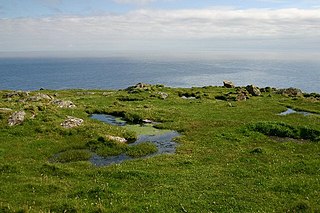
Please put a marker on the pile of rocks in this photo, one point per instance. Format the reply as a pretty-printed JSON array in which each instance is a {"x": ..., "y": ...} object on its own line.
[{"x": 71, "y": 122}]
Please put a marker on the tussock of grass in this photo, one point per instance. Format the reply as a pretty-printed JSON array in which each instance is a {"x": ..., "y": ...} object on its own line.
[
  {"x": 141, "y": 150},
  {"x": 73, "y": 156}
]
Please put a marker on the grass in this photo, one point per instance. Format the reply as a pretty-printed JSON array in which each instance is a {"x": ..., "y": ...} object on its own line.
[
  {"x": 226, "y": 160},
  {"x": 141, "y": 150}
]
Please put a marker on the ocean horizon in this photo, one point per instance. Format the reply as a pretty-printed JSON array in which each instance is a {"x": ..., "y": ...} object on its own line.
[{"x": 33, "y": 73}]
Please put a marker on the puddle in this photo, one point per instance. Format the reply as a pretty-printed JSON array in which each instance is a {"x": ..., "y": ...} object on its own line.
[
  {"x": 291, "y": 111},
  {"x": 163, "y": 139}
]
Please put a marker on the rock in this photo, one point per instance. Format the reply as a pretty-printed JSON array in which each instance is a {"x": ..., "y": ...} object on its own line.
[
  {"x": 16, "y": 94},
  {"x": 5, "y": 110},
  {"x": 16, "y": 118},
  {"x": 107, "y": 93},
  {"x": 63, "y": 104},
  {"x": 39, "y": 97},
  {"x": 162, "y": 95},
  {"x": 292, "y": 92},
  {"x": 139, "y": 87},
  {"x": 241, "y": 97},
  {"x": 71, "y": 122},
  {"x": 85, "y": 93},
  {"x": 228, "y": 84},
  {"x": 116, "y": 138},
  {"x": 253, "y": 90}
]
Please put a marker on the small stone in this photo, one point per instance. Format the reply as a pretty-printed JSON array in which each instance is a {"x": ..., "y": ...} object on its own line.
[
  {"x": 71, "y": 122},
  {"x": 162, "y": 95},
  {"x": 16, "y": 118},
  {"x": 228, "y": 84},
  {"x": 64, "y": 104},
  {"x": 39, "y": 97},
  {"x": 116, "y": 138}
]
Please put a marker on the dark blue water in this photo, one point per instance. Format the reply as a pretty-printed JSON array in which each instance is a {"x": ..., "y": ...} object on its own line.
[{"x": 119, "y": 73}]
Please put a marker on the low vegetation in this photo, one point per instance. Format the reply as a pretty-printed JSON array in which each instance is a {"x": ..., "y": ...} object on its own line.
[{"x": 235, "y": 153}]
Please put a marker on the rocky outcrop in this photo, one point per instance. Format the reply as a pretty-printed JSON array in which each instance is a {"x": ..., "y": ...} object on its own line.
[
  {"x": 116, "y": 138},
  {"x": 39, "y": 97},
  {"x": 292, "y": 92},
  {"x": 16, "y": 118},
  {"x": 71, "y": 122},
  {"x": 63, "y": 104},
  {"x": 139, "y": 87},
  {"x": 16, "y": 94},
  {"x": 228, "y": 84},
  {"x": 253, "y": 90}
]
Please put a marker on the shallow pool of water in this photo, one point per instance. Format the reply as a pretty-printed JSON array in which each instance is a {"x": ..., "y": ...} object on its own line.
[
  {"x": 291, "y": 111},
  {"x": 163, "y": 139}
]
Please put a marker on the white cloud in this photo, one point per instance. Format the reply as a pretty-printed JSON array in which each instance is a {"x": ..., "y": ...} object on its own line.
[
  {"x": 154, "y": 27},
  {"x": 140, "y": 2}
]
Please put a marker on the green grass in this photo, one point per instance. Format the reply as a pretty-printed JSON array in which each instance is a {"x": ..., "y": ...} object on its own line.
[
  {"x": 226, "y": 160},
  {"x": 141, "y": 150}
]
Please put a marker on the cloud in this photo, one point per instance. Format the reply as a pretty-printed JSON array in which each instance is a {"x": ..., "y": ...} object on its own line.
[{"x": 143, "y": 28}]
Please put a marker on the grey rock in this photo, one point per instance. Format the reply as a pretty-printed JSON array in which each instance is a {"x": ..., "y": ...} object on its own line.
[
  {"x": 292, "y": 92},
  {"x": 63, "y": 104},
  {"x": 162, "y": 95},
  {"x": 71, "y": 122},
  {"x": 16, "y": 118},
  {"x": 139, "y": 87},
  {"x": 39, "y": 97},
  {"x": 18, "y": 93},
  {"x": 253, "y": 90},
  {"x": 228, "y": 84},
  {"x": 116, "y": 138},
  {"x": 5, "y": 110}
]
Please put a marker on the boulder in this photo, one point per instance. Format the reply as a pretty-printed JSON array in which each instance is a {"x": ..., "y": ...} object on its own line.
[
  {"x": 162, "y": 95},
  {"x": 16, "y": 118},
  {"x": 139, "y": 87},
  {"x": 253, "y": 90},
  {"x": 241, "y": 97},
  {"x": 116, "y": 138},
  {"x": 16, "y": 94},
  {"x": 71, "y": 122},
  {"x": 63, "y": 104},
  {"x": 39, "y": 97},
  {"x": 228, "y": 84},
  {"x": 292, "y": 92}
]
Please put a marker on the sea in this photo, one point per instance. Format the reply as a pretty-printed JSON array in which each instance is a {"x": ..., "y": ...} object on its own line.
[{"x": 33, "y": 73}]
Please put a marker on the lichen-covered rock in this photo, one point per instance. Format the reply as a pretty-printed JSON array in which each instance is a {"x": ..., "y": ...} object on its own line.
[
  {"x": 228, "y": 84},
  {"x": 63, "y": 104},
  {"x": 16, "y": 94},
  {"x": 116, "y": 138},
  {"x": 139, "y": 87},
  {"x": 162, "y": 95},
  {"x": 16, "y": 118},
  {"x": 39, "y": 97},
  {"x": 241, "y": 97},
  {"x": 292, "y": 92},
  {"x": 71, "y": 122},
  {"x": 253, "y": 90},
  {"x": 5, "y": 110}
]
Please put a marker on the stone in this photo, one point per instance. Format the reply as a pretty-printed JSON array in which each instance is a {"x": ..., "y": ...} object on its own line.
[
  {"x": 5, "y": 110},
  {"x": 292, "y": 92},
  {"x": 162, "y": 95},
  {"x": 228, "y": 84},
  {"x": 253, "y": 90},
  {"x": 116, "y": 138},
  {"x": 139, "y": 87},
  {"x": 39, "y": 97},
  {"x": 86, "y": 93},
  {"x": 107, "y": 93},
  {"x": 16, "y": 118},
  {"x": 71, "y": 122},
  {"x": 63, "y": 104},
  {"x": 18, "y": 93},
  {"x": 241, "y": 97}
]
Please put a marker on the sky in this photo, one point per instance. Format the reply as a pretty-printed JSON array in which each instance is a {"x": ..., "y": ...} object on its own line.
[{"x": 131, "y": 26}]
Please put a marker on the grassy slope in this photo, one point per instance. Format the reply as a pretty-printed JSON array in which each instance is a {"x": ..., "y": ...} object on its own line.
[{"x": 215, "y": 167}]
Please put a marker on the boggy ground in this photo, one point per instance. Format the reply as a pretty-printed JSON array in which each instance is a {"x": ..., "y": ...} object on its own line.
[{"x": 229, "y": 158}]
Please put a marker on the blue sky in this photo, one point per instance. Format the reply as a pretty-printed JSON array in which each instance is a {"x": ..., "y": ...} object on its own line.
[{"x": 159, "y": 25}]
